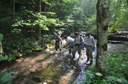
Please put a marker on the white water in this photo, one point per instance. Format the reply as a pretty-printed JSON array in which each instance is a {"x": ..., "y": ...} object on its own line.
[{"x": 80, "y": 79}]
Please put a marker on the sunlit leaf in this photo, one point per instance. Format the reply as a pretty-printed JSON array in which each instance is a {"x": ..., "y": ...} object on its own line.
[
  {"x": 98, "y": 74},
  {"x": 43, "y": 27}
]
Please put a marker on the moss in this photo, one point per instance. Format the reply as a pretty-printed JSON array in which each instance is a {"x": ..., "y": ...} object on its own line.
[
  {"x": 104, "y": 46},
  {"x": 105, "y": 28}
]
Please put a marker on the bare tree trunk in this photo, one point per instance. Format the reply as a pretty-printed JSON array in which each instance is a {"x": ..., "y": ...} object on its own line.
[
  {"x": 13, "y": 10},
  {"x": 39, "y": 30},
  {"x": 102, "y": 27},
  {"x": 1, "y": 49}
]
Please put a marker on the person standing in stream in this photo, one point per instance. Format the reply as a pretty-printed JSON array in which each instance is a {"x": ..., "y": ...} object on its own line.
[
  {"x": 78, "y": 41},
  {"x": 90, "y": 44}
]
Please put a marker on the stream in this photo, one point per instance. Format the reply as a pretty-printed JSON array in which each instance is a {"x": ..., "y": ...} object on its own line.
[{"x": 80, "y": 79}]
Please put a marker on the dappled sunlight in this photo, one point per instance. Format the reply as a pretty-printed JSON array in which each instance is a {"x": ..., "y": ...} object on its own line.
[
  {"x": 66, "y": 78},
  {"x": 28, "y": 65},
  {"x": 48, "y": 65},
  {"x": 25, "y": 62}
]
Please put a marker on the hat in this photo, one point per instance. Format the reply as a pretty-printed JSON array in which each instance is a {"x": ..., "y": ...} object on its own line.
[{"x": 76, "y": 33}]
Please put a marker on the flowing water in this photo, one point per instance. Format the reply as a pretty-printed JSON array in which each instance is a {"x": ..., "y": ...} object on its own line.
[{"x": 80, "y": 79}]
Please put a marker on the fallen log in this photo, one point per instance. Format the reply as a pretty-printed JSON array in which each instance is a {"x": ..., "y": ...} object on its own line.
[
  {"x": 115, "y": 42},
  {"x": 118, "y": 37},
  {"x": 115, "y": 36}
]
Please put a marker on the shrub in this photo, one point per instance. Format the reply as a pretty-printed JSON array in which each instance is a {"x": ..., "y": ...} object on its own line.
[
  {"x": 116, "y": 70},
  {"x": 6, "y": 77}
]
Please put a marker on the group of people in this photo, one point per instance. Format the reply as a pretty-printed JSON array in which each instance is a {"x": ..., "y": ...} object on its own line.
[{"x": 77, "y": 43}]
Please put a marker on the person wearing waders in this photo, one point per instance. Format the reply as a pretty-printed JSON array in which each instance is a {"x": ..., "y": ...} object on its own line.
[
  {"x": 78, "y": 41},
  {"x": 58, "y": 41},
  {"x": 90, "y": 44}
]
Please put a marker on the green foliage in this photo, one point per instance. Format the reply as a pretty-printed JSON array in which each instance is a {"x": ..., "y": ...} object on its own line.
[
  {"x": 9, "y": 58},
  {"x": 117, "y": 63},
  {"x": 37, "y": 19},
  {"x": 84, "y": 15},
  {"x": 19, "y": 47},
  {"x": 16, "y": 31},
  {"x": 89, "y": 76},
  {"x": 91, "y": 23},
  {"x": 116, "y": 70},
  {"x": 119, "y": 18},
  {"x": 6, "y": 77},
  {"x": 2, "y": 58},
  {"x": 47, "y": 38},
  {"x": 1, "y": 37}
]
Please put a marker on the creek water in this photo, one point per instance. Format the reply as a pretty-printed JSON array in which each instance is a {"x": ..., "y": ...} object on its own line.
[{"x": 80, "y": 79}]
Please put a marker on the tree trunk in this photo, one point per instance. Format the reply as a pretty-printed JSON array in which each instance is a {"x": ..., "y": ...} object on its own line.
[
  {"x": 1, "y": 49},
  {"x": 39, "y": 30},
  {"x": 13, "y": 10},
  {"x": 102, "y": 27}
]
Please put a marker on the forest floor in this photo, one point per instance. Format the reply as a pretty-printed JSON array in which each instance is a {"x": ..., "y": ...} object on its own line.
[{"x": 48, "y": 66}]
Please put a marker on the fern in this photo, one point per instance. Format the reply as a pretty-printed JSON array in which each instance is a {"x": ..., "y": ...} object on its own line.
[{"x": 6, "y": 77}]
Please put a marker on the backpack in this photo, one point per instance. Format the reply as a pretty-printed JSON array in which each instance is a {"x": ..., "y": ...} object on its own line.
[
  {"x": 58, "y": 38},
  {"x": 79, "y": 40}
]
